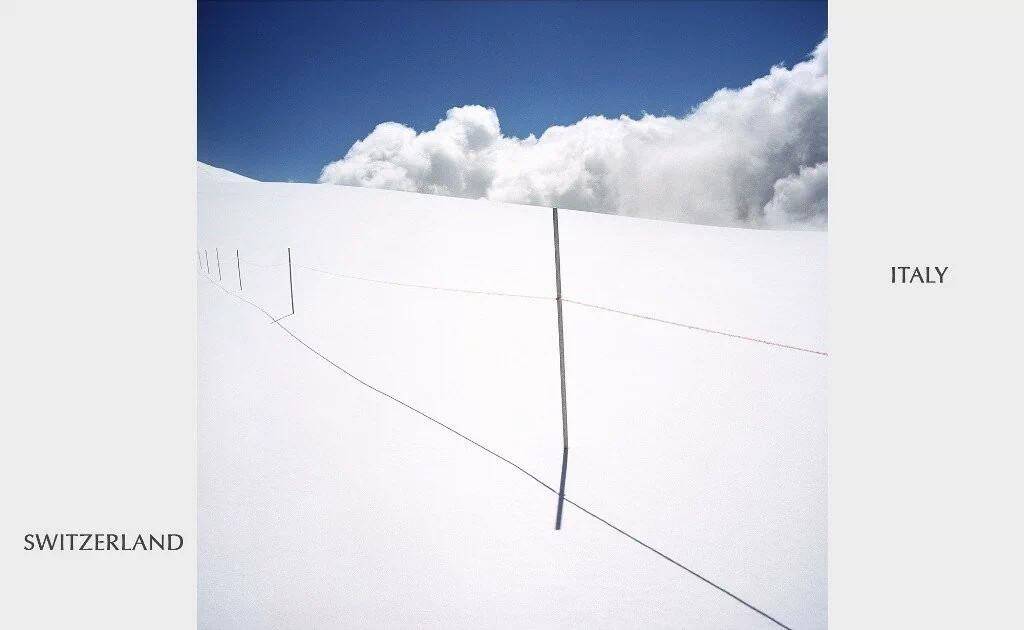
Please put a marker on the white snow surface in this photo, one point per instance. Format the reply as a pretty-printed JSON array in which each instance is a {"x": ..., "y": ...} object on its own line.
[
  {"x": 215, "y": 173},
  {"x": 323, "y": 503}
]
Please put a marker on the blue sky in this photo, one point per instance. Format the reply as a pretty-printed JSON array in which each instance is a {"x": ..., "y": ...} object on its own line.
[{"x": 286, "y": 88}]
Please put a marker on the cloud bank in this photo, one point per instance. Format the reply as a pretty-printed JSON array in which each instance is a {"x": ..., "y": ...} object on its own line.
[{"x": 753, "y": 157}]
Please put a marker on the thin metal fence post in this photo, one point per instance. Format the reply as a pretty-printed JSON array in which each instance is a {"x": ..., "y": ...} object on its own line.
[
  {"x": 561, "y": 488},
  {"x": 291, "y": 290},
  {"x": 216, "y": 251},
  {"x": 561, "y": 365},
  {"x": 238, "y": 261}
]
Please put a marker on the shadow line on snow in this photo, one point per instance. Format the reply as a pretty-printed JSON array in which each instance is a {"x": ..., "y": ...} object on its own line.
[{"x": 560, "y": 493}]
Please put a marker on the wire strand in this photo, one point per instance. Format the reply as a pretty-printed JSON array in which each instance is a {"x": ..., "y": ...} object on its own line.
[
  {"x": 565, "y": 300},
  {"x": 425, "y": 286},
  {"x": 246, "y": 262},
  {"x": 692, "y": 327},
  {"x": 504, "y": 459}
]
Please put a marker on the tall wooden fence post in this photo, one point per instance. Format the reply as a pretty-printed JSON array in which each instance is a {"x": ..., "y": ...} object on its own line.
[
  {"x": 216, "y": 250},
  {"x": 561, "y": 365},
  {"x": 207, "y": 253},
  {"x": 238, "y": 262}
]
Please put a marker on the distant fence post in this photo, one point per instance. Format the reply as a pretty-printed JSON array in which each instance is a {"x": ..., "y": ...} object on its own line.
[
  {"x": 238, "y": 261},
  {"x": 291, "y": 291},
  {"x": 207, "y": 253},
  {"x": 561, "y": 365},
  {"x": 216, "y": 250},
  {"x": 199, "y": 259}
]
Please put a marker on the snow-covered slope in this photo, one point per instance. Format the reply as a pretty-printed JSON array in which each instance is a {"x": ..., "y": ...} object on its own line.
[
  {"x": 205, "y": 172},
  {"x": 323, "y": 503}
]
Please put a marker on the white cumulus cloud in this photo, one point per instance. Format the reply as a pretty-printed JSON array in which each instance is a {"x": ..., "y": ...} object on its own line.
[
  {"x": 756, "y": 157},
  {"x": 801, "y": 198}
]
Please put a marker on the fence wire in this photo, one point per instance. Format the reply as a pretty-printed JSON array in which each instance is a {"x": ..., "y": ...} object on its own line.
[{"x": 567, "y": 300}]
